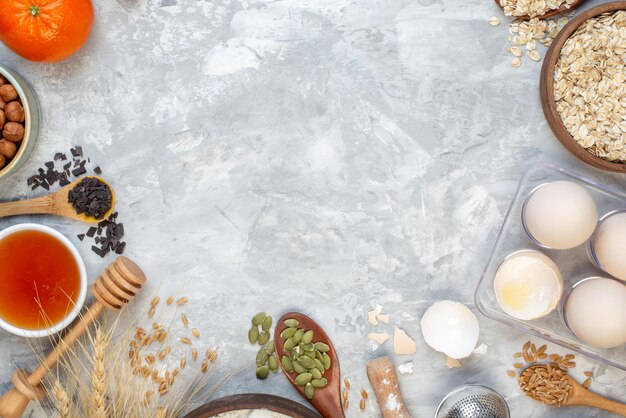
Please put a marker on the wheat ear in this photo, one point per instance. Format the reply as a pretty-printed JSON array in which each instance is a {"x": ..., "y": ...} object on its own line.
[
  {"x": 98, "y": 384},
  {"x": 62, "y": 400}
]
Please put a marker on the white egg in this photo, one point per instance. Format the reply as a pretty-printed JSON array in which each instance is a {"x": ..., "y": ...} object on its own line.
[
  {"x": 451, "y": 328},
  {"x": 528, "y": 285},
  {"x": 561, "y": 215},
  {"x": 609, "y": 245},
  {"x": 596, "y": 312}
]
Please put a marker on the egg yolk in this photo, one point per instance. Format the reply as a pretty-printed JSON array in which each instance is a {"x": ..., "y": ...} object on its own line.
[{"x": 515, "y": 294}]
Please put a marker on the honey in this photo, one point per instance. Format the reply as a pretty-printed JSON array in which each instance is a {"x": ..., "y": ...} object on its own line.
[{"x": 39, "y": 280}]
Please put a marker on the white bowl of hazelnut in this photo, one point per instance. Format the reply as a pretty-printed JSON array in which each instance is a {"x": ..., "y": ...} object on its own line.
[{"x": 19, "y": 121}]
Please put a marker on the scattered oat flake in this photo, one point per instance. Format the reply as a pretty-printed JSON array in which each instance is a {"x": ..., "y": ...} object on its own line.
[
  {"x": 516, "y": 62},
  {"x": 182, "y": 301},
  {"x": 534, "y": 55},
  {"x": 510, "y": 373},
  {"x": 589, "y": 374},
  {"x": 515, "y": 51},
  {"x": 587, "y": 382},
  {"x": 494, "y": 21}
]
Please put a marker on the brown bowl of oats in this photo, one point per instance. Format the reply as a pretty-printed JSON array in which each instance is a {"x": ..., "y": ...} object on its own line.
[
  {"x": 540, "y": 9},
  {"x": 583, "y": 86}
]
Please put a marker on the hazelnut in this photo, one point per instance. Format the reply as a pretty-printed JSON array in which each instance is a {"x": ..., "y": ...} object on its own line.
[
  {"x": 2, "y": 118},
  {"x": 14, "y": 112},
  {"x": 8, "y": 149},
  {"x": 3, "y": 161},
  {"x": 2, "y": 104},
  {"x": 13, "y": 131},
  {"x": 8, "y": 93}
]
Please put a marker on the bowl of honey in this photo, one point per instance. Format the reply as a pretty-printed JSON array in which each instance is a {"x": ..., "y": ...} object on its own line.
[{"x": 43, "y": 281}]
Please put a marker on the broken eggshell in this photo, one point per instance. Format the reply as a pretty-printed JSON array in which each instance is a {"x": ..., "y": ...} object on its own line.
[{"x": 450, "y": 328}]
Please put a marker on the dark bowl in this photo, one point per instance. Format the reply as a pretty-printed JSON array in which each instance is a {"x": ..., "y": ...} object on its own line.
[{"x": 253, "y": 401}]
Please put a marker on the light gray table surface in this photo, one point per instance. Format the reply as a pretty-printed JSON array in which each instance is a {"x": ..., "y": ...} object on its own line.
[{"x": 323, "y": 155}]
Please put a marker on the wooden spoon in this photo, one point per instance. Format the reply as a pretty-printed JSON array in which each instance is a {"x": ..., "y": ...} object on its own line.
[
  {"x": 115, "y": 287},
  {"x": 578, "y": 395},
  {"x": 327, "y": 400},
  {"x": 550, "y": 13},
  {"x": 54, "y": 204},
  {"x": 383, "y": 378}
]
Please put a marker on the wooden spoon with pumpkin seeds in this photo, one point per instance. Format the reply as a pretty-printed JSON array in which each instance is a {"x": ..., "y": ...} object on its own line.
[{"x": 299, "y": 343}]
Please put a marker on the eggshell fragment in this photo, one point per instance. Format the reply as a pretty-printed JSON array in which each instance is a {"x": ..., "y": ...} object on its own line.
[
  {"x": 383, "y": 318},
  {"x": 402, "y": 343},
  {"x": 371, "y": 317},
  {"x": 378, "y": 337},
  {"x": 406, "y": 368}
]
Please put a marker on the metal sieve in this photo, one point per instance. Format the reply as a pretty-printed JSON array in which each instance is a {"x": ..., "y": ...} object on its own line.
[{"x": 473, "y": 401}]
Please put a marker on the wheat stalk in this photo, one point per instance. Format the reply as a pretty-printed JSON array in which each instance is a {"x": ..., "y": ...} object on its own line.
[
  {"x": 62, "y": 400},
  {"x": 98, "y": 384}
]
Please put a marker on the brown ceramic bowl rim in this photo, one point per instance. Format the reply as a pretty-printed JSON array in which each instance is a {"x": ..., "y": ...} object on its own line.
[
  {"x": 251, "y": 401},
  {"x": 21, "y": 92},
  {"x": 546, "y": 89}
]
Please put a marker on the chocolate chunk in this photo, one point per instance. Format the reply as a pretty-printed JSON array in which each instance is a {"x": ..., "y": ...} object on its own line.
[
  {"x": 91, "y": 232},
  {"x": 81, "y": 236},
  {"x": 97, "y": 170}
]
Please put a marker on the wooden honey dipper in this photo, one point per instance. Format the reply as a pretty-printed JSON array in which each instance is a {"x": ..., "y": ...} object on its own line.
[{"x": 116, "y": 286}]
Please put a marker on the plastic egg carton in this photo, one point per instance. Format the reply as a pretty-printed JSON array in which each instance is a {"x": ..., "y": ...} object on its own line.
[{"x": 575, "y": 264}]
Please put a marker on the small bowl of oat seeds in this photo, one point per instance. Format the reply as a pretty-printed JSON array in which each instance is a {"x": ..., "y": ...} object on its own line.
[{"x": 583, "y": 86}]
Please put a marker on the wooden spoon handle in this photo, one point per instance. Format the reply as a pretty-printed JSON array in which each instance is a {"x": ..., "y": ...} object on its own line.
[
  {"x": 41, "y": 205},
  {"x": 597, "y": 401},
  {"x": 384, "y": 380}
]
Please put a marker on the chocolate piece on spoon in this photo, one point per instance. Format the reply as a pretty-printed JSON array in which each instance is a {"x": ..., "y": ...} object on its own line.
[{"x": 58, "y": 203}]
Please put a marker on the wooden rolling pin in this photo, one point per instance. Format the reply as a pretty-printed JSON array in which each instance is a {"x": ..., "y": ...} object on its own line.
[
  {"x": 116, "y": 286},
  {"x": 383, "y": 378}
]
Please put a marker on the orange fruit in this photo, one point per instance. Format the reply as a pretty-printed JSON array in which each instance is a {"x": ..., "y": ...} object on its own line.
[{"x": 45, "y": 30}]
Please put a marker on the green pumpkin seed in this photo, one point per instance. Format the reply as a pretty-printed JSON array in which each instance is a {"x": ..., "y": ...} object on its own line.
[
  {"x": 253, "y": 335},
  {"x": 294, "y": 354},
  {"x": 288, "y": 333},
  {"x": 303, "y": 378},
  {"x": 298, "y": 336},
  {"x": 264, "y": 338},
  {"x": 261, "y": 357},
  {"x": 310, "y": 354},
  {"x": 291, "y": 323},
  {"x": 289, "y": 344},
  {"x": 326, "y": 361},
  {"x": 287, "y": 365},
  {"x": 319, "y": 366},
  {"x": 309, "y": 391},
  {"x": 258, "y": 319},
  {"x": 273, "y": 364},
  {"x": 270, "y": 347},
  {"x": 307, "y": 337},
  {"x": 267, "y": 323},
  {"x": 262, "y": 372},
  {"x": 319, "y": 383},
  {"x": 298, "y": 368},
  {"x": 315, "y": 373},
  {"x": 319, "y": 356},
  {"x": 307, "y": 347},
  {"x": 306, "y": 362},
  {"x": 322, "y": 347}
]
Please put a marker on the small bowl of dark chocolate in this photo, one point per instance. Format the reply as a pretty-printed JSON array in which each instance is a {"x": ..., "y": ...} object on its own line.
[{"x": 19, "y": 121}]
